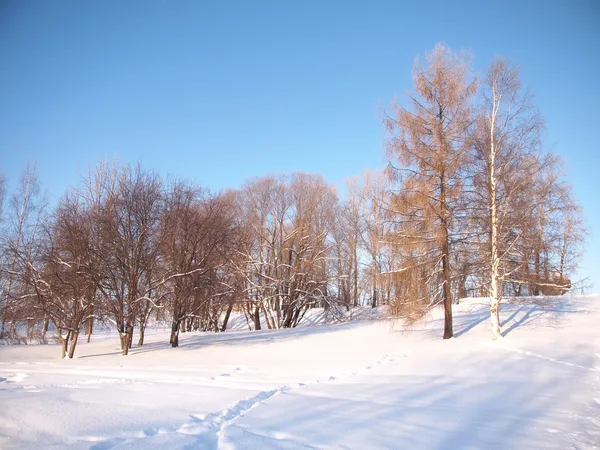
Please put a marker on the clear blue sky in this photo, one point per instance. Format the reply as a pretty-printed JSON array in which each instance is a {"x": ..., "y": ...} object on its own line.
[{"x": 221, "y": 91}]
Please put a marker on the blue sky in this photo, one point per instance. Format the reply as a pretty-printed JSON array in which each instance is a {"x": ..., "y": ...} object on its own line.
[{"x": 221, "y": 91}]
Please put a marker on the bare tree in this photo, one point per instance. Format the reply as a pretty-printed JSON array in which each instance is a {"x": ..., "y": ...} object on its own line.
[
  {"x": 428, "y": 151},
  {"x": 22, "y": 246},
  {"x": 285, "y": 257},
  {"x": 65, "y": 282},
  {"x": 550, "y": 244},
  {"x": 506, "y": 155},
  {"x": 373, "y": 212},
  {"x": 126, "y": 205},
  {"x": 345, "y": 239},
  {"x": 198, "y": 232}
]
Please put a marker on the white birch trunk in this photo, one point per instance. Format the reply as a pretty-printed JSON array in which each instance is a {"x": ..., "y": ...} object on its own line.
[{"x": 495, "y": 294}]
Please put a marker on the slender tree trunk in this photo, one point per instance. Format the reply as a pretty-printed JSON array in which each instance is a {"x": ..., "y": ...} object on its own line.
[
  {"x": 30, "y": 328},
  {"x": 536, "y": 289},
  {"x": 141, "y": 339},
  {"x": 448, "y": 332},
  {"x": 130, "y": 335},
  {"x": 226, "y": 319},
  {"x": 495, "y": 294},
  {"x": 355, "y": 264},
  {"x": 45, "y": 326},
  {"x": 124, "y": 343},
  {"x": 89, "y": 328},
  {"x": 64, "y": 342},
  {"x": 374, "y": 281},
  {"x": 126, "y": 337},
  {"x": 174, "y": 333},
  {"x": 74, "y": 337},
  {"x": 256, "y": 318},
  {"x": 2, "y": 333}
]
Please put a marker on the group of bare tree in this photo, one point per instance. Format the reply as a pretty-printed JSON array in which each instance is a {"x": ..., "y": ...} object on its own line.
[
  {"x": 126, "y": 248},
  {"x": 469, "y": 205},
  {"x": 121, "y": 247}
]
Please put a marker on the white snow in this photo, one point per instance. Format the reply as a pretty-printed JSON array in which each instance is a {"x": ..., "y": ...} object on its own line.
[{"x": 362, "y": 384}]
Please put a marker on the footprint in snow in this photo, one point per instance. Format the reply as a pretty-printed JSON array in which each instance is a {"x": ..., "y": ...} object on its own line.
[
  {"x": 16, "y": 378},
  {"x": 228, "y": 374}
]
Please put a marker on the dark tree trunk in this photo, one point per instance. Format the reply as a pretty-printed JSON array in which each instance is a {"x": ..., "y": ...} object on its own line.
[
  {"x": 45, "y": 326},
  {"x": 174, "y": 341},
  {"x": 64, "y": 342},
  {"x": 142, "y": 330},
  {"x": 74, "y": 337},
  {"x": 226, "y": 319},
  {"x": 89, "y": 326},
  {"x": 256, "y": 318},
  {"x": 448, "y": 332}
]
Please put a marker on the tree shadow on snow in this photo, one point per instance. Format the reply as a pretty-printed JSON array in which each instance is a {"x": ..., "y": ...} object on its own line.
[
  {"x": 515, "y": 313},
  {"x": 196, "y": 340},
  {"x": 488, "y": 410}
]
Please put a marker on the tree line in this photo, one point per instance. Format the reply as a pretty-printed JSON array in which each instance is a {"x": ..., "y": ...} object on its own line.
[{"x": 470, "y": 204}]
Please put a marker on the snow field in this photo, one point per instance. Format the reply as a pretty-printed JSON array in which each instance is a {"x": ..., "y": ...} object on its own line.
[{"x": 362, "y": 384}]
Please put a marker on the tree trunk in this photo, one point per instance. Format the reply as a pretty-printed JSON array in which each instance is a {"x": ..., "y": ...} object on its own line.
[
  {"x": 74, "y": 337},
  {"x": 141, "y": 339},
  {"x": 256, "y": 318},
  {"x": 89, "y": 328},
  {"x": 355, "y": 287},
  {"x": 126, "y": 337},
  {"x": 124, "y": 343},
  {"x": 130, "y": 335},
  {"x": 374, "y": 281},
  {"x": 448, "y": 332},
  {"x": 63, "y": 343},
  {"x": 30, "y": 328},
  {"x": 226, "y": 319},
  {"x": 45, "y": 326},
  {"x": 495, "y": 294},
  {"x": 2, "y": 333},
  {"x": 495, "y": 318},
  {"x": 536, "y": 289},
  {"x": 174, "y": 333}
]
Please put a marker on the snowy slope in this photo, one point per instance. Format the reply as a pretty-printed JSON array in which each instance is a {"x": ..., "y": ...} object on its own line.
[{"x": 363, "y": 384}]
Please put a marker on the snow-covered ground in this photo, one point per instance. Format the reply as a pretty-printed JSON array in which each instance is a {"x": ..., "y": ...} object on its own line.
[{"x": 363, "y": 384}]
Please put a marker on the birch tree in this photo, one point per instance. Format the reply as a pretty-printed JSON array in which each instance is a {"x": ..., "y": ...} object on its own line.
[{"x": 507, "y": 156}]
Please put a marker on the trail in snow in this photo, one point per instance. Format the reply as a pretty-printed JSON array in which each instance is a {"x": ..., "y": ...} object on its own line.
[
  {"x": 547, "y": 358},
  {"x": 209, "y": 431}
]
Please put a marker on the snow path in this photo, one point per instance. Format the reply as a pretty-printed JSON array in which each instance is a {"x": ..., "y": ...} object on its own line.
[
  {"x": 209, "y": 431},
  {"x": 557, "y": 361}
]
